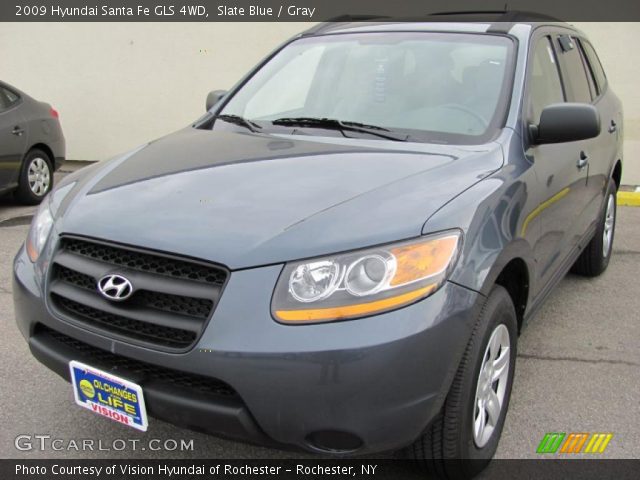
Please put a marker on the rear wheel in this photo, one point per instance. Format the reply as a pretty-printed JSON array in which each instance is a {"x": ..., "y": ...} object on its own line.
[
  {"x": 594, "y": 259},
  {"x": 36, "y": 177},
  {"x": 464, "y": 436}
]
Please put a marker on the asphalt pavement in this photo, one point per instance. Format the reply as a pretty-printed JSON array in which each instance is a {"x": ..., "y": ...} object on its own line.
[{"x": 578, "y": 370}]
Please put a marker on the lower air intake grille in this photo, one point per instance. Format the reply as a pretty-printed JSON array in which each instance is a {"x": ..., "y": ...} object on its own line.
[{"x": 144, "y": 372}]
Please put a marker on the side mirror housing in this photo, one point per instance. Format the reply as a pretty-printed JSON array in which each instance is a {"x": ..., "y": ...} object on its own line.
[
  {"x": 214, "y": 97},
  {"x": 566, "y": 122}
]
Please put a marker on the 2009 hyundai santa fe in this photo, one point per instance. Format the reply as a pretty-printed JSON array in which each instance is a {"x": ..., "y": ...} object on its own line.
[{"x": 340, "y": 254}]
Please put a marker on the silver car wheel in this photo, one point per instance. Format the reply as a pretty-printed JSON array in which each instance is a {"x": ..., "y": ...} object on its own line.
[
  {"x": 39, "y": 176},
  {"x": 609, "y": 224},
  {"x": 492, "y": 385}
]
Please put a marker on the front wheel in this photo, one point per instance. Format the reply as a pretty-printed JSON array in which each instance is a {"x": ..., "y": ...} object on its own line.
[
  {"x": 595, "y": 257},
  {"x": 464, "y": 436}
]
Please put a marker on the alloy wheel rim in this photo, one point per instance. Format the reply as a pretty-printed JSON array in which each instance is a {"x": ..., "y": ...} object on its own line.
[
  {"x": 39, "y": 176},
  {"x": 609, "y": 223},
  {"x": 491, "y": 385}
]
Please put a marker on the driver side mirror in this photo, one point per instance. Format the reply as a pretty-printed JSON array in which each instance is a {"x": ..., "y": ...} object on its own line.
[
  {"x": 566, "y": 122},
  {"x": 214, "y": 97}
]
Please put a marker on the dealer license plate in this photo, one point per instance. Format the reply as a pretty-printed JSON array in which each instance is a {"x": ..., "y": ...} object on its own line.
[{"x": 107, "y": 395}]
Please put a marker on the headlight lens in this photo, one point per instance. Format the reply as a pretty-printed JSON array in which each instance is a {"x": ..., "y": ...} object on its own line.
[
  {"x": 40, "y": 229},
  {"x": 365, "y": 282},
  {"x": 369, "y": 274},
  {"x": 314, "y": 281}
]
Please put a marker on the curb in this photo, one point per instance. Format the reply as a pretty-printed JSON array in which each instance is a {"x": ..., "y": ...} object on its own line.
[
  {"x": 629, "y": 199},
  {"x": 70, "y": 166}
]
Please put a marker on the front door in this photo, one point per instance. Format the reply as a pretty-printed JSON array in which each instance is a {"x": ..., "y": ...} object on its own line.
[{"x": 561, "y": 169}]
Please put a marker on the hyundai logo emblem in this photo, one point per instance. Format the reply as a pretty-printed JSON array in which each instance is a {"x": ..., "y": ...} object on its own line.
[{"x": 115, "y": 287}]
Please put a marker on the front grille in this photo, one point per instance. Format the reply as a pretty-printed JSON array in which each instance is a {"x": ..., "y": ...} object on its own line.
[
  {"x": 172, "y": 300},
  {"x": 143, "y": 372},
  {"x": 170, "y": 337},
  {"x": 146, "y": 262},
  {"x": 75, "y": 278},
  {"x": 195, "y": 307}
]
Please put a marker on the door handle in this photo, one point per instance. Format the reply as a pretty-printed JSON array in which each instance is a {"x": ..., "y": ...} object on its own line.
[
  {"x": 613, "y": 127},
  {"x": 582, "y": 161},
  {"x": 17, "y": 131}
]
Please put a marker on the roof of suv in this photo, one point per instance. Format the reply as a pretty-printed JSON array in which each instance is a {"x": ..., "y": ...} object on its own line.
[{"x": 490, "y": 22}]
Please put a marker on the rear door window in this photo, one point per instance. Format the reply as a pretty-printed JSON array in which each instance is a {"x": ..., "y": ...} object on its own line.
[
  {"x": 596, "y": 66},
  {"x": 590, "y": 78},
  {"x": 7, "y": 98},
  {"x": 11, "y": 96},
  {"x": 575, "y": 75}
]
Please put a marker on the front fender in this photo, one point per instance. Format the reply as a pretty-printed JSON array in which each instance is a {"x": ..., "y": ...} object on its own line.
[{"x": 491, "y": 215}]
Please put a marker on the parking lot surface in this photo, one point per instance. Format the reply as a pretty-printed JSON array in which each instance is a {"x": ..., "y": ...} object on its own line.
[{"x": 578, "y": 370}]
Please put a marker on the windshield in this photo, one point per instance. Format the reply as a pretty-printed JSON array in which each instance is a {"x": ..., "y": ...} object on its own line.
[{"x": 443, "y": 87}]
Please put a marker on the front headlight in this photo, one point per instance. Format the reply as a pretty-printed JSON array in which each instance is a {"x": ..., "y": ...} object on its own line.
[
  {"x": 40, "y": 229},
  {"x": 365, "y": 282}
]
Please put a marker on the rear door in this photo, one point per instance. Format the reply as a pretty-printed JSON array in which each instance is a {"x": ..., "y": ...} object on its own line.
[
  {"x": 13, "y": 138},
  {"x": 606, "y": 149},
  {"x": 561, "y": 168}
]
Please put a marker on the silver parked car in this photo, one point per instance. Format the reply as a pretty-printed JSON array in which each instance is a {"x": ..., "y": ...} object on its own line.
[{"x": 32, "y": 145}]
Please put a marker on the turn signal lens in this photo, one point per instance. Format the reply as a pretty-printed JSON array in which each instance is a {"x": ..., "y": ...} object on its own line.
[
  {"x": 424, "y": 259},
  {"x": 352, "y": 311},
  {"x": 365, "y": 282}
]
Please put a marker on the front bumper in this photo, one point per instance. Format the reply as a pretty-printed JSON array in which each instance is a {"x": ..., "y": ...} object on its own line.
[{"x": 370, "y": 385}]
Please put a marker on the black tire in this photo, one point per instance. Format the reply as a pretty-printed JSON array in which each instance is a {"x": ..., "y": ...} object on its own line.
[
  {"x": 593, "y": 260},
  {"x": 25, "y": 193},
  {"x": 448, "y": 448}
]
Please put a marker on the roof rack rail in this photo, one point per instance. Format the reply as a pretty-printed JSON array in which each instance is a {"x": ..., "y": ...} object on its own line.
[
  {"x": 357, "y": 18},
  {"x": 330, "y": 23},
  {"x": 469, "y": 12},
  {"x": 501, "y": 21},
  {"x": 502, "y": 15}
]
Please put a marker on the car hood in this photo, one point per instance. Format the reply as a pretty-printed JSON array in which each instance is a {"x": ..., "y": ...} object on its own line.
[{"x": 243, "y": 199}]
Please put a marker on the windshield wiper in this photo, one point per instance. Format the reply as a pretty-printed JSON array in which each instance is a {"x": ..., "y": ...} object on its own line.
[
  {"x": 238, "y": 120},
  {"x": 333, "y": 124}
]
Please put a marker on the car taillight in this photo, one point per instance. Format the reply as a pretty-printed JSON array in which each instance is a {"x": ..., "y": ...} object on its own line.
[{"x": 54, "y": 113}]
